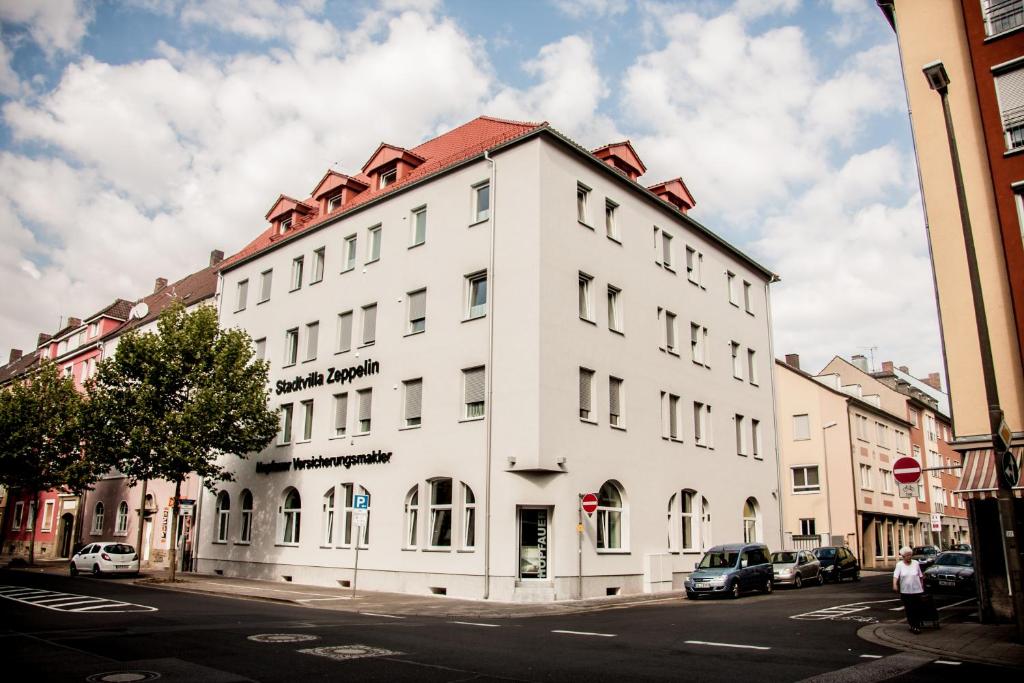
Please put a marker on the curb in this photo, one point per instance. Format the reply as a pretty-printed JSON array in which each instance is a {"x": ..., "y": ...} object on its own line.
[
  {"x": 874, "y": 633},
  {"x": 217, "y": 594}
]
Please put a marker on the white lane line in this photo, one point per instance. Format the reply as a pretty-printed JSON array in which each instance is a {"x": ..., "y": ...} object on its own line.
[
  {"x": 871, "y": 656},
  {"x": 386, "y": 616},
  {"x": 103, "y": 606},
  {"x": 958, "y": 603},
  {"x": 76, "y": 602},
  {"x": 946, "y": 661},
  {"x": 585, "y": 633},
  {"x": 745, "y": 647},
  {"x": 473, "y": 623}
]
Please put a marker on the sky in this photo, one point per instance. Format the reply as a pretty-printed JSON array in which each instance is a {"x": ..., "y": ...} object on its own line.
[{"x": 138, "y": 135}]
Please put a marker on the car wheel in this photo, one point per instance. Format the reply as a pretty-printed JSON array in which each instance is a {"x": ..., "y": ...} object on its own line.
[
  {"x": 690, "y": 595},
  {"x": 856, "y": 575},
  {"x": 798, "y": 582},
  {"x": 72, "y": 569},
  {"x": 96, "y": 570},
  {"x": 735, "y": 590},
  {"x": 768, "y": 587}
]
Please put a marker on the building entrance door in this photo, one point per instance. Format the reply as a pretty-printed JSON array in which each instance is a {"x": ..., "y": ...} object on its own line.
[
  {"x": 67, "y": 525},
  {"x": 534, "y": 542},
  {"x": 147, "y": 538}
]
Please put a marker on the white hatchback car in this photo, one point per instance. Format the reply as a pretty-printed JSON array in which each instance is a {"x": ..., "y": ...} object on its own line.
[{"x": 104, "y": 558}]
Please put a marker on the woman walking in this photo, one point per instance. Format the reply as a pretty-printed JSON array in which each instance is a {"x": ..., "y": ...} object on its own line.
[{"x": 908, "y": 581}]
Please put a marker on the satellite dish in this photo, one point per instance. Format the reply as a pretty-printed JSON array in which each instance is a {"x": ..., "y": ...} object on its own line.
[{"x": 139, "y": 311}]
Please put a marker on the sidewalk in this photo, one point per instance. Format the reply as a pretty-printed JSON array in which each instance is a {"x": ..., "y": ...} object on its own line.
[{"x": 966, "y": 641}]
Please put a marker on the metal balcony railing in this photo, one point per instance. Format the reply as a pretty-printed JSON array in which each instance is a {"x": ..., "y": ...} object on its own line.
[{"x": 1003, "y": 15}]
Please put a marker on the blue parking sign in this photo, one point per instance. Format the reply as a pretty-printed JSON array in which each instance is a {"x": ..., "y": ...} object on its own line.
[{"x": 361, "y": 501}]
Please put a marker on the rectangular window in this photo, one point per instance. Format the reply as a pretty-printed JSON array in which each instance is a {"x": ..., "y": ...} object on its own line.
[
  {"x": 351, "y": 245},
  {"x": 1010, "y": 93},
  {"x": 586, "y": 395},
  {"x": 657, "y": 245},
  {"x": 468, "y": 518},
  {"x": 702, "y": 424},
  {"x": 901, "y": 441},
  {"x": 481, "y": 202},
  {"x": 307, "y": 420},
  {"x": 670, "y": 332},
  {"x": 266, "y": 280},
  {"x": 30, "y": 521},
  {"x": 615, "y": 416},
  {"x": 318, "y": 265},
  {"x": 19, "y": 508},
  {"x": 340, "y": 414},
  {"x": 297, "y": 264},
  {"x": 865, "y": 477},
  {"x": 674, "y": 432},
  {"x": 737, "y": 363},
  {"x": 755, "y": 438},
  {"x": 582, "y": 197},
  {"x": 693, "y": 265},
  {"x": 585, "y": 303},
  {"x": 285, "y": 435},
  {"x": 365, "y": 397},
  {"x": 748, "y": 305},
  {"x": 417, "y": 311},
  {"x": 388, "y": 177},
  {"x": 291, "y": 346},
  {"x": 473, "y": 391},
  {"x": 48, "y": 516},
  {"x": 374, "y": 235},
  {"x": 614, "y": 309},
  {"x": 805, "y": 479},
  {"x": 413, "y": 389},
  {"x": 312, "y": 340},
  {"x": 369, "y": 324},
  {"x": 1002, "y": 15},
  {"x": 730, "y": 283},
  {"x": 419, "y": 226},
  {"x": 887, "y": 481},
  {"x": 801, "y": 428},
  {"x": 698, "y": 345},
  {"x": 476, "y": 295},
  {"x": 752, "y": 366},
  {"x": 807, "y": 527},
  {"x": 611, "y": 229},
  {"x": 344, "y": 332},
  {"x": 666, "y": 250},
  {"x": 334, "y": 202},
  {"x": 242, "y": 296},
  {"x": 741, "y": 436}
]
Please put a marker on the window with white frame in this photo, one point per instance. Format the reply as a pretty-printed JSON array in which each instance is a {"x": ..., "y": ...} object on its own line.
[
  {"x": 1002, "y": 15},
  {"x": 699, "y": 345},
  {"x": 865, "y": 477},
  {"x": 737, "y": 362},
  {"x": 476, "y": 295},
  {"x": 587, "y": 395},
  {"x": 615, "y": 402},
  {"x": 307, "y": 420},
  {"x": 887, "y": 480},
  {"x": 468, "y": 518},
  {"x": 752, "y": 366},
  {"x": 419, "y": 226},
  {"x": 340, "y": 414},
  {"x": 388, "y": 178},
  {"x": 586, "y": 303},
  {"x": 369, "y": 324},
  {"x": 350, "y": 532},
  {"x": 808, "y": 527},
  {"x": 312, "y": 339},
  {"x": 351, "y": 249},
  {"x": 730, "y": 283},
  {"x": 614, "y": 309},
  {"x": 417, "y": 311},
  {"x": 412, "y": 517},
  {"x": 702, "y": 431},
  {"x": 670, "y": 332},
  {"x": 673, "y": 429},
  {"x": 48, "y": 508},
  {"x": 291, "y": 346},
  {"x": 413, "y": 390},
  {"x": 755, "y": 438},
  {"x": 245, "y": 528},
  {"x": 440, "y": 513},
  {"x": 121, "y": 524},
  {"x": 19, "y": 509},
  {"x": 740, "y": 423},
  {"x": 900, "y": 437},
  {"x": 241, "y": 295},
  {"x": 481, "y": 202},
  {"x": 582, "y": 199},
  {"x": 297, "y": 266},
  {"x": 97, "y": 518},
  {"x": 610, "y": 511},
  {"x": 291, "y": 517},
  {"x": 333, "y": 202},
  {"x": 473, "y": 390},
  {"x": 260, "y": 351},
  {"x": 610, "y": 224},
  {"x": 223, "y": 512},
  {"x": 365, "y": 400},
  {"x": 285, "y": 434},
  {"x": 284, "y": 226},
  {"x": 657, "y": 245},
  {"x": 862, "y": 427},
  {"x": 266, "y": 282},
  {"x": 694, "y": 266},
  {"x": 30, "y": 523},
  {"x": 318, "y": 265},
  {"x": 327, "y": 518},
  {"x": 748, "y": 304},
  {"x": 1010, "y": 94},
  {"x": 344, "y": 332},
  {"x": 666, "y": 250},
  {"x": 751, "y": 521},
  {"x": 805, "y": 479},
  {"x": 682, "y": 527},
  {"x": 374, "y": 236}
]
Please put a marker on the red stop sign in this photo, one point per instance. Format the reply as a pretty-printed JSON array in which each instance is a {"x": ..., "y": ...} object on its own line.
[
  {"x": 906, "y": 470},
  {"x": 589, "y": 503}
]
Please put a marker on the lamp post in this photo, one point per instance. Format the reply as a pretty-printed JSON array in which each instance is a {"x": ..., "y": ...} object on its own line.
[
  {"x": 828, "y": 485},
  {"x": 938, "y": 80}
]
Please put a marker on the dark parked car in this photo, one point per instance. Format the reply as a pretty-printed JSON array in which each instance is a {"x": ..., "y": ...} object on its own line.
[
  {"x": 925, "y": 555},
  {"x": 796, "y": 567},
  {"x": 952, "y": 572},
  {"x": 730, "y": 570},
  {"x": 966, "y": 547},
  {"x": 838, "y": 563}
]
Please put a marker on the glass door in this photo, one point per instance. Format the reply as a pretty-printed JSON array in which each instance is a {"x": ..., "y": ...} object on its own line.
[{"x": 534, "y": 542}]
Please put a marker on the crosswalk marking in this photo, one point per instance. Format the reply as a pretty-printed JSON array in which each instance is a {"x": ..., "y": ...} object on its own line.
[{"x": 70, "y": 602}]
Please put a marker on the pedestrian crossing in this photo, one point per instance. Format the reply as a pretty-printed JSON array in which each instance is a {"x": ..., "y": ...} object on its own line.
[
  {"x": 70, "y": 602},
  {"x": 843, "y": 612}
]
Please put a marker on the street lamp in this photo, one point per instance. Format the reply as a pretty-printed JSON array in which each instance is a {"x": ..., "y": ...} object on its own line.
[
  {"x": 938, "y": 80},
  {"x": 828, "y": 485}
]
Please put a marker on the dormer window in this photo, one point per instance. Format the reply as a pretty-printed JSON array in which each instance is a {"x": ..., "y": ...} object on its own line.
[
  {"x": 388, "y": 177},
  {"x": 334, "y": 202},
  {"x": 286, "y": 225}
]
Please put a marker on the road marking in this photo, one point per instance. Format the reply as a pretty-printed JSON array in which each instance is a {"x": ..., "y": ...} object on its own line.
[
  {"x": 386, "y": 616},
  {"x": 840, "y": 612},
  {"x": 745, "y": 647},
  {"x": 878, "y": 669},
  {"x": 945, "y": 661},
  {"x": 585, "y": 633},
  {"x": 473, "y": 623},
  {"x": 959, "y": 603},
  {"x": 70, "y": 602},
  {"x": 871, "y": 656}
]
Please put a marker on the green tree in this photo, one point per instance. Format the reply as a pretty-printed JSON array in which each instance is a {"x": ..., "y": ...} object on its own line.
[
  {"x": 169, "y": 403},
  {"x": 40, "y": 438}
]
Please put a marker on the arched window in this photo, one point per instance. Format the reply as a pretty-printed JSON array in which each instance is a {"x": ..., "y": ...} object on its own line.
[
  {"x": 412, "y": 515},
  {"x": 291, "y": 517},
  {"x": 245, "y": 503},
  {"x": 705, "y": 524},
  {"x": 683, "y": 531},
  {"x": 441, "y": 513},
  {"x": 122, "y": 518},
  {"x": 751, "y": 521},
  {"x": 328, "y": 517},
  {"x": 670, "y": 516},
  {"x": 97, "y": 518},
  {"x": 348, "y": 491},
  {"x": 609, "y": 517},
  {"x": 223, "y": 516},
  {"x": 468, "y": 518}
]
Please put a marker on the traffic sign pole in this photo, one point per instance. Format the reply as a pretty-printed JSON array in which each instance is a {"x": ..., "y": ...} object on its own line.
[{"x": 579, "y": 549}]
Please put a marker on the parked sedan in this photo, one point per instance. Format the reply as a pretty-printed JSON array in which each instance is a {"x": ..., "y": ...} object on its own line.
[
  {"x": 837, "y": 563},
  {"x": 925, "y": 554},
  {"x": 962, "y": 546},
  {"x": 105, "y": 558},
  {"x": 951, "y": 572},
  {"x": 796, "y": 567}
]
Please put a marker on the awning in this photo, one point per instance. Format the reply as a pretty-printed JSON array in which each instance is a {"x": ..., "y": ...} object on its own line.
[{"x": 980, "y": 477}]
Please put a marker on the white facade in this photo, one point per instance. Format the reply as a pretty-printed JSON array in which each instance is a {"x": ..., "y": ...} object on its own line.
[{"x": 538, "y": 352}]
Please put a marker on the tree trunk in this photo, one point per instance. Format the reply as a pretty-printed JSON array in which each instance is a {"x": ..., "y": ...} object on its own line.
[
  {"x": 142, "y": 521},
  {"x": 34, "y": 512},
  {"x": 173, "y": 554}
]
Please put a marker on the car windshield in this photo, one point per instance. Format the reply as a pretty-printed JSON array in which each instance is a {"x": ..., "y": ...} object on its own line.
[
  {"x": 783, "y": 558},
  {"x": 119, "y": 549},
  {"x": 719, "y": 560},
  {"x": 825, "y": 552},
  {"x": 924, "y": 550},
  {"x": 954, "y": 560}
]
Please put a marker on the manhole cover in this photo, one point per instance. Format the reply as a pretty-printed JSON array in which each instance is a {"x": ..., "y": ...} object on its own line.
[
  {"x": 282, "y": 637},
  {"x": 123, "y": 677},
  {"x": 344, "y": 652}
]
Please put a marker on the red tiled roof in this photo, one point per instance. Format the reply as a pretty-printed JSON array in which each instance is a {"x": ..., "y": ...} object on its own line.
[
  {"x": 189, "y": 290},
  {"x": 444, "y": 151},
  {"x": 19, "y": 367}
]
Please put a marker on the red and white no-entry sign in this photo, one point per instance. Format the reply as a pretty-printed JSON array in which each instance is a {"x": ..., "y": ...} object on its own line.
[
  {"x": 589, "y": 503},
  {"x": 906, "y": 470}
]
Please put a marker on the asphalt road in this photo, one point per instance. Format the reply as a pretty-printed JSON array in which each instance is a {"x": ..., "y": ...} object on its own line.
[{"x": 58, "y": 628}]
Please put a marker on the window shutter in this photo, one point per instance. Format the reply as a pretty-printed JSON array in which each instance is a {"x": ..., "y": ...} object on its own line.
[
  {"x": 340, "y": 410},
  {"x": 369, "y": 324},
  {"x": 474, "y": 385},
  {"x": 614, "y": 400},
  {"x": 1010, "y": 88},
  {"x": 345, "y": 331},
  {"x": 586, "y": 380},
  {"x": 418, "y": 305},
  {"x": 413, "y": 398},
  {"x": 364, "y": 404}
]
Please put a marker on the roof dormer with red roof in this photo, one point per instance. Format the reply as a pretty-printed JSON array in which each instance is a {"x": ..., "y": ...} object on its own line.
[
  {"x": 336, "y": 189},
  {"x": 675, "y": 193},
  {"x": 390, "y": 164},
  {"x": 622, "y": 156},
  {"x": 286, "y": 212}
]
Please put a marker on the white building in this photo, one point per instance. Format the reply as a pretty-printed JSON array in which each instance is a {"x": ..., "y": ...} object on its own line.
[{"x": 477, "y": 331}]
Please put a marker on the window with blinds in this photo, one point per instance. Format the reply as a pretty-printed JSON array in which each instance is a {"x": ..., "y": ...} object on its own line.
[
  {"x": 586, "y": 394},
  {"x": 413, "y": 402},
  {"x": 1010, "y": 91},
  {"x": 344, "y": 331},
  {"x": 312, "y": 340},
  {"x": 365, "y": 400},
  {"x": 266, "y": 280},
  {"x": 473, "y": 387},
  {"x": 307, "y": 420},
  {"x": 417, "y": 311},
  {"x": 369, "y": 324},
  {"x": 340, "y": 414},
  {"x": 243, "y": 295},
  {"x": 615, "y": 402}
]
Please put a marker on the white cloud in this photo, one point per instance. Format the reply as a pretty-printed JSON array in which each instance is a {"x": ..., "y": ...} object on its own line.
[
  {"x": 591, "y": 9},
  {"x": 10, "y": 84},
  {"x": 55, "y": 25},
  {"x": 754, "y": 9}
]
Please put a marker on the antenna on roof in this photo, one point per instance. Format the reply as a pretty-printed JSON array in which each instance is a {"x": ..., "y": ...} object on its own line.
[{"x": 871, "y": 353}]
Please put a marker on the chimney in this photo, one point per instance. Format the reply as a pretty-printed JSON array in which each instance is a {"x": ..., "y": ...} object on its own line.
[
  {"x": 74, "y": 322},
  {"x": 42, "y": 339},
  {"x": 933, "y": 381},
  {"x": 160, "y": 283},
  {"x": 904, "y": 369},
  {"x": 860, "y": 362},
  {"x": 15, "y": 355},
  {"x": 216, "y": 256},
  {"x": 887, "y": 367},
  {"x": 793, "y": 360}
]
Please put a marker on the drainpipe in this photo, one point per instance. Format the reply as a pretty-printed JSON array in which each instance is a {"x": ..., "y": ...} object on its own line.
[
  {"x": 775, "y": 422},
  {"x": 857, "y": 518},
  {"x": 489, "y": 375}
]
